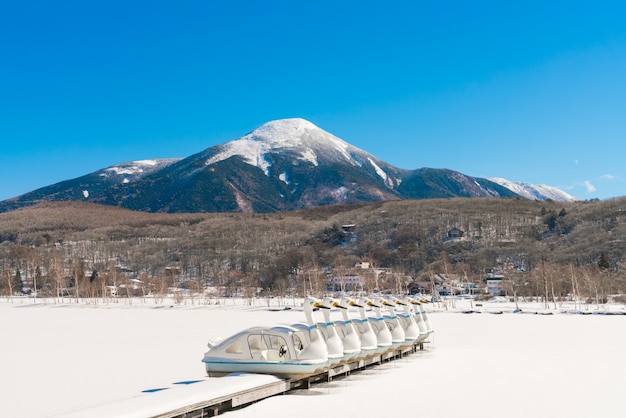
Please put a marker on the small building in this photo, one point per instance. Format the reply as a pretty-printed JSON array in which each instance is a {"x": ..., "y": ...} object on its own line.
[
  {"x": 350, "y": 282},
  {"x": 362, "y": 265},
  {"x": 495, "y": 285},
  {"x": 454, "y": 234},
  {"x": 361, "y": 276},
  {"x": 419, "y": 288}
]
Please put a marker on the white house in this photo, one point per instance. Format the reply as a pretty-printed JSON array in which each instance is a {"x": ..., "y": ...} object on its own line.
[{"x": 495, "y": 285}]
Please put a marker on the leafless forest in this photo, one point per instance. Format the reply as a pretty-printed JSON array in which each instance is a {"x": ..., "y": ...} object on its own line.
[{"x": 547, "y": 250}]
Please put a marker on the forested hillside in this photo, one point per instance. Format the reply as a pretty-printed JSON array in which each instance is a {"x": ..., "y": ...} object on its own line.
[{"x": 543, "y": 248}]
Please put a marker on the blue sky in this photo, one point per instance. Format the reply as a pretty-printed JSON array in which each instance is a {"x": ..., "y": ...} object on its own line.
[{"x": 531, "y": 91}]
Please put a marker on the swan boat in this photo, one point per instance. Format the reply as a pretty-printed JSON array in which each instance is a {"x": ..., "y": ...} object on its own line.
[
  {"x": 346, "y": 330},
  {"x": 280, "y": 351},
  {"x": 284, "y": 351}
]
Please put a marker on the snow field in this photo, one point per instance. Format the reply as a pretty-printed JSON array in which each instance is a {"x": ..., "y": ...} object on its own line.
[{"x": 59, "y": 358}]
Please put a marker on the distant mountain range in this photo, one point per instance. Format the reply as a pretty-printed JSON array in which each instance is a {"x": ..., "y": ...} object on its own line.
[
  {"x": 284, "y": 165},
  {"x": 535, "y": 191}
]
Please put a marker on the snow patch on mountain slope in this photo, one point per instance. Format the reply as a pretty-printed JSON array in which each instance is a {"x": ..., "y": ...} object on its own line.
[
  {"x": 137, "y": 168},
  {"x": 486, "y": 190},
  {"x": 133, "y": 167},
  {"x": 295, "y": 135},
  {"x": 340, "y": 193},
  {"x": 309, "y": 155},
  {"x": 284, "y": 178},
  {"x": 534, "y": 191},
  {"x": 252, "y": 151},
  {"x": 381, "y": 173}
]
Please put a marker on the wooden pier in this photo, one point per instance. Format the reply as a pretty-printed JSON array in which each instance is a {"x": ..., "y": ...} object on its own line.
[
  {"x": 215, "y": 406},
  {"x": 211, "y": 397}
]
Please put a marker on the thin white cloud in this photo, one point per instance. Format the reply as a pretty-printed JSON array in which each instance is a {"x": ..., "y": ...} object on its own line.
[{"x": 590, "y": 187}]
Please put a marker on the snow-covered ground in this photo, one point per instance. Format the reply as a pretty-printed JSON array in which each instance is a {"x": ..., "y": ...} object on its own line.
[{"x": 71, "y": 357}]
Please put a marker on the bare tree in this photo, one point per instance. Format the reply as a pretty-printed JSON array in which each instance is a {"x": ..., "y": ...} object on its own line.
[{"x": 58, "y": 272}]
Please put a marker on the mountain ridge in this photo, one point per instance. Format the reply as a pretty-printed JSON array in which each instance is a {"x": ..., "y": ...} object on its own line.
[
  {"x": 286, "y": 164},
  {"x": 535, "y": 191}
]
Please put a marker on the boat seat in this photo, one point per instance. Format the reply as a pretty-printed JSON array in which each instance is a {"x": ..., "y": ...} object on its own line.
[
  {"x": 266, "y": 355},
  {"x": 273, "y": 355}
]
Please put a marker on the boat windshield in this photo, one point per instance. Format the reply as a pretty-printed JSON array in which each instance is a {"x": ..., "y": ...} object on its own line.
[
  {"x": 268, "y": 347},
  {"x": 297, "y": 343}
]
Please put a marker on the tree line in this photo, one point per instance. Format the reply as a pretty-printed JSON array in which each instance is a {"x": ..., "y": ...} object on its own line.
[{"x": 550, "y": 250}]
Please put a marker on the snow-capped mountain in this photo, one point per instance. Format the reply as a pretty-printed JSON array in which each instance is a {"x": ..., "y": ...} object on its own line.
[
  {"x": 535, "y": 191},
  {"x": 305, "y": 142},
  {"x": 286, "y": 164}
]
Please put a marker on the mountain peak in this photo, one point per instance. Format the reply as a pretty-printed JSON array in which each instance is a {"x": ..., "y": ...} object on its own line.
[
  {"x": 296, "y": 135},
  {"x": 285, "y": 126},
  {"x": 294, "y": 132}
]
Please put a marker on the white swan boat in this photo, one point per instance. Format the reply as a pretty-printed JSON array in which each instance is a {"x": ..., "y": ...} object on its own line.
[
  {"x": 280, "y": 351},
  {"x": 285, "y": 351},
  {"x": 334, "y": 343},
  {"x": 346, "y": 330}
]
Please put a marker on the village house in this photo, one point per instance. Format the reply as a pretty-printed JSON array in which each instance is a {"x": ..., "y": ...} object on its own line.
[
  {"x": 359, "y": 278},
  {"x": 453, "y": 235},
  {"x": 495, "y": 284}
]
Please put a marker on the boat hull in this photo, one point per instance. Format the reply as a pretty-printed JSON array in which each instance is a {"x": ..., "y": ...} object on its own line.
[{"x": 216, "y": 367}]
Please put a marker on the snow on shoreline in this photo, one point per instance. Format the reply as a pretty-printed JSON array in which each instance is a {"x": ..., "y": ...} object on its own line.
[{"x": 58, "y": 358}]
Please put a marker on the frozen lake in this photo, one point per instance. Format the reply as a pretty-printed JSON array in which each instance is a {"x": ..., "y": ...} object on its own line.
[{"x": 59, "y": 358}]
